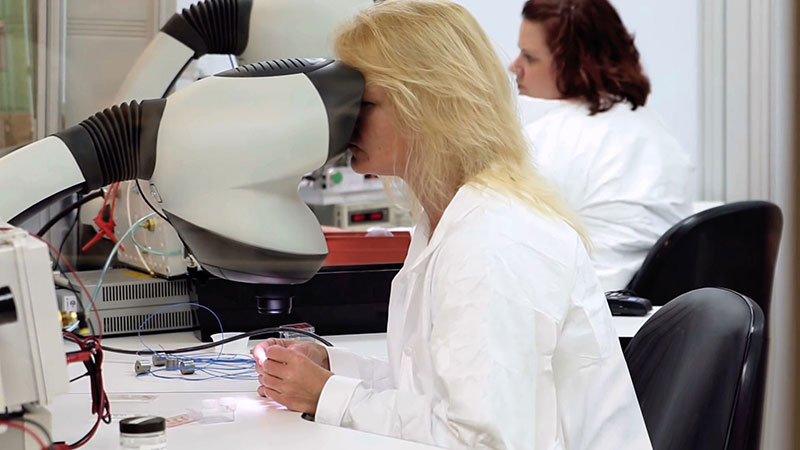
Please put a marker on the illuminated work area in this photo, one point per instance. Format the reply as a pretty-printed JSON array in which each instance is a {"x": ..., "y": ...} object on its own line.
[{"x": 528, "y": 224}]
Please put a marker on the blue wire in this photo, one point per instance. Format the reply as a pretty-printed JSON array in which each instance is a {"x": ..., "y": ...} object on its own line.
[
  {"x": 175, "y": 305},
  {"x": 250, "y": 363},
  {"x": 209, "y": 361},
  {"x": 215, "y": 366},
  {"x": 241, "y": 377},
  {"x": 245, "y": 373},
  {"x": 228, "y": 359}
]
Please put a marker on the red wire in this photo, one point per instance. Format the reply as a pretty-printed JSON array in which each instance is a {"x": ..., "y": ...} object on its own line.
[
  {"x": 100, "y": 404},
  {"x": 25, "y": 429},
  {"x": 83, "y": 286},
  {"x": 114, "y": 192},
  {"x": 88, "y": 436}
]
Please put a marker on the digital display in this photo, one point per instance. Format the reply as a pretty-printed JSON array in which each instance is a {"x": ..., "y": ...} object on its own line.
[{"x": 368, "y": 216}]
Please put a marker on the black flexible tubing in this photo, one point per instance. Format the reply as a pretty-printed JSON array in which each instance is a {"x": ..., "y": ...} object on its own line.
[
  {"x": 224, "y": 341},
  {"x": 61, "y": 214}
]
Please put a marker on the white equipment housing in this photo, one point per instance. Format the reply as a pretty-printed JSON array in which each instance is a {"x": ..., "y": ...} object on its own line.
[{"x": 32, "y": 363}]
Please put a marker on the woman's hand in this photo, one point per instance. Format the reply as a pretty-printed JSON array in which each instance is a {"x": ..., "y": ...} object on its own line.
[
  {"x": 295, "y": 373},
  {"x": 291, "y": 378},
  {"x": 315, "y": 352}
]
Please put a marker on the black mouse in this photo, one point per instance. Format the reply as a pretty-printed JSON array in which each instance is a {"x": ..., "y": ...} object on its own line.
[{"x": 625, "y": 304}]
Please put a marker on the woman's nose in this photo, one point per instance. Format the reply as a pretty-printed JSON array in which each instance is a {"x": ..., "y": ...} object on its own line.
[{"x": 513, "y": 67}]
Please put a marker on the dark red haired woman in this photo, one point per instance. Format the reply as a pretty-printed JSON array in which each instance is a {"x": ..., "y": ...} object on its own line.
[{"x": 612, "y": 159}]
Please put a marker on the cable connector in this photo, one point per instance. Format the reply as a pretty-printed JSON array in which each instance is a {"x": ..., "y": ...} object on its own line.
[{"x": 82, "y": 356}]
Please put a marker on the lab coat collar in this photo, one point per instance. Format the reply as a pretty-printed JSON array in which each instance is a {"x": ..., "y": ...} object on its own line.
[
  {"x": 533, "y": 109},
  {"x": 422, "y": 243}
]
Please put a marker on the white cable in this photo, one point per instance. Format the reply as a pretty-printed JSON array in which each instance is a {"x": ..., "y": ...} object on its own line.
[{"x": 130, "y": 223}]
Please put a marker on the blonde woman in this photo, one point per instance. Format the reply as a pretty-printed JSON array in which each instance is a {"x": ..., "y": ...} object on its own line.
[{"x": 499, "y": 335}]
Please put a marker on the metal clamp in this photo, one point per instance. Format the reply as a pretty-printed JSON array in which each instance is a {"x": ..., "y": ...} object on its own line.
[
  {"x": 141, "y": 367},
  {"x": 186, "y": 368}
]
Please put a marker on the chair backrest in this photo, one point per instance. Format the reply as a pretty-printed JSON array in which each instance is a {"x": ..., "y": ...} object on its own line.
[
  {"x": 694, "y": 367},
  {"x": 734, "y": 246}
]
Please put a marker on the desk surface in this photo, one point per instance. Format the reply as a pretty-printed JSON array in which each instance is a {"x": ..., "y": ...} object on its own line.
[{"x": 259, "y": 423}]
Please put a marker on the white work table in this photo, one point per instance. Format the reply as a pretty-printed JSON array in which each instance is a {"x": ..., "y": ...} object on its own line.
[{"x": 259, "y": 423}]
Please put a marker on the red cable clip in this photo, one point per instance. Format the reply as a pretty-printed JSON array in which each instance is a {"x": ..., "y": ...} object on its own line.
[
  {"x": 82, "y": 356},
  {"x": 105, "y": 219}
]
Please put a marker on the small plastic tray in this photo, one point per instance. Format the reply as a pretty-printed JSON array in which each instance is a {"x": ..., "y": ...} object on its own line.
[{"x": 352, "y": 248}]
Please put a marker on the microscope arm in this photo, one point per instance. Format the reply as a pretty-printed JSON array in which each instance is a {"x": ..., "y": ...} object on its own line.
[
  {"x": 101, "y": 150},
  {"x": 252, "y": 30},
  {"x": 48, "y": 159},
  {"x": 223, "y": 156},
  {"x": 155, "y": 70}
]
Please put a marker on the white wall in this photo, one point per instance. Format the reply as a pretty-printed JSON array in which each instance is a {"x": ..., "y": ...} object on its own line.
[
  {"x": 500, "y": 19},
  {"x": 103, "y": 39},
  {"x": 666, "y": 36},
  {"x": 778, "y": 426}
]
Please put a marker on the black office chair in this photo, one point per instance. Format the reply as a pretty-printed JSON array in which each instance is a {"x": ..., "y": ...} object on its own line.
[
  {"x": 734, "y": 246},
  {"x": 694, "y": 367}
]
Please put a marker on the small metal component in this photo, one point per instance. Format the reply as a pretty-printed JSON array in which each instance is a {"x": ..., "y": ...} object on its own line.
[
  {"x": 172, "y": 363},
  {"x": 191, "y": 262},
  {"x": 159, "y": 360},
  {"x": 149, "y": 224},
  {"x": 141, "y": 367},
  {"x": 186, "y": 368},
  {"x": 154, "y": 192},
  {"x": 68, "y": 318}
]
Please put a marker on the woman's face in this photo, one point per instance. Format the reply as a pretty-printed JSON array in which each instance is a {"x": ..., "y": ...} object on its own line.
[
  {"x": 377, "y": 147},
  {"x": 533, "y": 67}
]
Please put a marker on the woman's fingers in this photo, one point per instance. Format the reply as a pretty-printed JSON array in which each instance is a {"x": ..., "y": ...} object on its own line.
[
  {"x": 260, "y": 350},
  {"x": 270, "y": 381},
  {"x": 282, "y": 354},
  {"x": 276, "y": 369},
  {"x": 264, "y": 392},
  {"x": 260, "y": 355}
]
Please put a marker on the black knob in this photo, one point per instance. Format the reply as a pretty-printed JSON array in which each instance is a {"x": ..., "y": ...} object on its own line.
[{"x": 8, "y": 310}]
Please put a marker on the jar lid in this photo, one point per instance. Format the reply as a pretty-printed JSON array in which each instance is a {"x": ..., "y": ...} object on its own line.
[{"x": 142, "y": 424}]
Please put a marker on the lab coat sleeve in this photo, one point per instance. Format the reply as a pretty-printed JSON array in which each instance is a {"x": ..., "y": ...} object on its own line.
[
  {"x": 373, "y": 372},
  {"x": 483, "y": 352}
]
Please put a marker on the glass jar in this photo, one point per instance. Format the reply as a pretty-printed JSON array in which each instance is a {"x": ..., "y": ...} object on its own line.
[{"x": 143, "y": 433}]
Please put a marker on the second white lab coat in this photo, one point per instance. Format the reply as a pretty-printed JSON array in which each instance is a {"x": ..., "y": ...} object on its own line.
[
  {"x": 621, "y": 170},
  {"x": 498, "y": 337}
]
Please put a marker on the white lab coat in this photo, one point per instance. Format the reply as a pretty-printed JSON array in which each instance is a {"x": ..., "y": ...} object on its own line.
[
  {"x": 498, "y": 337},
  {"x": 621, "y": 170}
]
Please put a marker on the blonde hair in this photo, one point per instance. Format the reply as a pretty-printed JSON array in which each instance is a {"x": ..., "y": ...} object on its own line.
[{"x": 452, "y": 101}]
